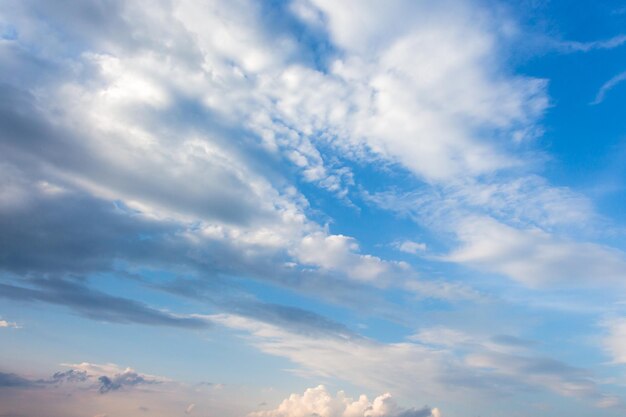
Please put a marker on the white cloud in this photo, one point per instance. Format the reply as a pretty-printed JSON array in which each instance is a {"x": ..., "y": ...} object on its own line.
[
  {"x": 169, "y": 129},
  {"x": 525, "y": 201},
  {"x": 418, "y": 99},
  {"x": 319, "y": 402},
  {"x": 436, "y": 365},
  {"x": 340, "y": 253},
  {"x": 576, "y": 46},
  {"x": 614, "y": 340},
  {"x": 7, "y": 324},
  {"x": 535, "y": 257},
  {"x": 417, "y": 96},
  {"x": 608, "y": 86},
  {"x": 410, "y": 246},
  {"x": 444, "y": 290},
  {"x": 189, "y": 111}
]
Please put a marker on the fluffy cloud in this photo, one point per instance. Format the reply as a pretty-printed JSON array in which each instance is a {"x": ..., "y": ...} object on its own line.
[
  {"x": 319, "y": 402},
  {"x": 417, "y": 95},
  {"x": 338, "y": 252}
]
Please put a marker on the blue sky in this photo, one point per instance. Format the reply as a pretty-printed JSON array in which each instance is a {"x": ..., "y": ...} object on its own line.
[{"x": 312, "y": 207}]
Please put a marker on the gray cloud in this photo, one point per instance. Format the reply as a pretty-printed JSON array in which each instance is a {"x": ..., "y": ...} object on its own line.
[
  {"x": 69, "y": 376},
  {"x": 213, "y": 190},
  {"x": 51, "y": 238},
  {"x": 119, "y": 381},
  {"x": 83, "y": 374},
  {"x": 95, "y": 304},
  {"x": 415, "y": 412},
  {"x": 10, "y": 380},
  {"x": 75, "y": 233}
]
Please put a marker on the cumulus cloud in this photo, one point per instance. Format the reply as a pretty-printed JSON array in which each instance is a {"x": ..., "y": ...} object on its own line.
[
  {"x": 338, "y": 252},
  {"x": 319, "y": 402},
  {"x": 389, "y": 104}
]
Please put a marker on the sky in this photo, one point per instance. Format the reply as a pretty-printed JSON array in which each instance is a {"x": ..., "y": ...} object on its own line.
[{"x": 297, "y": 208}]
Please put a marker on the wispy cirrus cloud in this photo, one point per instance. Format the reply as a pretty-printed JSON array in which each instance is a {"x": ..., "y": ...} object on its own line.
[
  {"x": 577, "y": 46},
  {"x": 432, "y": 362},
  {"x": 608, "y": 86}
]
